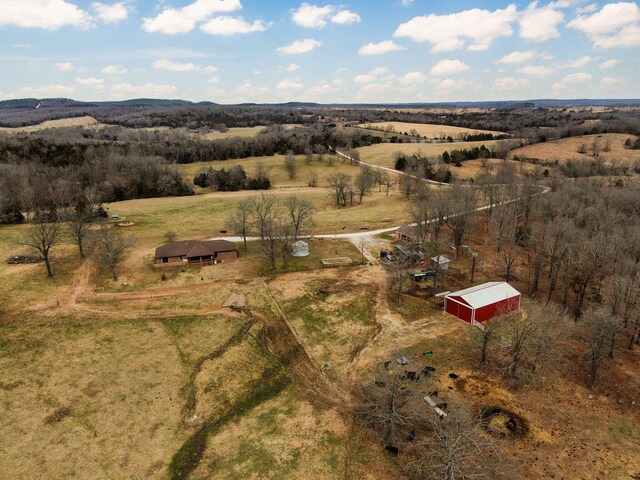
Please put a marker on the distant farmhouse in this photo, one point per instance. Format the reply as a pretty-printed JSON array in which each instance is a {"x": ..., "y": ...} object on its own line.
[{"x": 195, "y": 253}]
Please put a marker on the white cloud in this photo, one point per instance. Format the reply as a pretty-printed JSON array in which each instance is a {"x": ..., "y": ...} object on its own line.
[
  {"x": 315, "y": 16},
  {"x": 517, "y": 57},
  {"x": 579, "y": 62},
  {"x": 247, "y": 89},
  {"x": 110, "y": 13},
  {"x": 509, "y": 84},
  {"x": 610, "y": 82},
  {"x": 172, "y": 21},
  {"x": 373, "y": 75},
  {"x": 65, "y": 67},
  {"x": 114, "y": 70},
  {"x": 406, "y": 3},
  {"x": 46, "y": 14},
  {"x": 290, "y": 84},
  {"x": 90, "y": 82},
  {"x": 165, "y": 64},
  {"x": 288, "y": 68},
  {"x": 213, "y": 80},
  {"x": 452, "y": 32},
  {"x": 609, "y": 64},
  {"x": 412, "y": 78},
  {"x": 299, "y": 46},
  {"x": 536, "y": 71},
  {"x": 571, "y": 80},
  {"x": 225, "y": 25},
  {"x": 450, "y": 86},
  {"x": 448, "y": 67},
  {"x": 148, "y": 90},
  {"x": 379, "y": 48},
  {"x": 312, "y": 16},
  {"x": 615, "y": 25},
  {"x": 54, "y": 91},
  {"x": 345, "y": 17},
  {"x": 322, "y": 89},
  {"x": 539, "y": 24}
]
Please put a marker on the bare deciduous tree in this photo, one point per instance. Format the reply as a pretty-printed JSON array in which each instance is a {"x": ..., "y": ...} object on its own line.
[
  {"x": 111, "y": 249},
  {"x": 299, "y": 213},
  {"x": 42, "y": 236},
  {"x": 240, "y": 220},
  {"x": 78, "y": 229},
  {"x": 264, "y": 208},
  {"x": 338, "y": 186},
  {"x": 363, "y": 184},
  {"x": 462, "y": 202},
  {"x": 290, "y": 165}
]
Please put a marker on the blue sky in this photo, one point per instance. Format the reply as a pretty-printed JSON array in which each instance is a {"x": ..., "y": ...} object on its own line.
[{"x": 381, "y": 51}]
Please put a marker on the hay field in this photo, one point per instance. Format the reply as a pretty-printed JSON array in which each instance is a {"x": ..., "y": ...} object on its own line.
[
  {"x": 427, "y": 130},
  {"x": 567, "y": 149},
  {"x": 383, "y": 154},
  {"x": 86, "y": 121}
]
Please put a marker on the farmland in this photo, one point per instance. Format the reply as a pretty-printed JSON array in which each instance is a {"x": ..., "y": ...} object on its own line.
[{"x": 426, "y": 130}]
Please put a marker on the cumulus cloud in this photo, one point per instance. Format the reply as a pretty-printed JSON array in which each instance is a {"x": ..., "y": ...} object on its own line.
[
  {"x": 609, "y": 64},
  {"x": 412, "y": 78},
  {"x": 579, "y": 62},
  {"x": 46, "y": 14},
  {"x": 213, "y": 80},
  {"x": 345, "y": 17},
  {"x": 166, "y": 64},
  {"x": 110, "y": 13},
  {"x": 290, "y": 84},
  {"x": 225, "y": 25},
  {"x": 570, "y": 80},
  {"x": 65, "y": 67},
  {"x": 53, "y": 90},
  {"x": 114, "y": 70},
  {"x": 509, "y": 84},
  {"x": 449, "y": 86},
  {"x": 538, "y": 24},
  {"x": 379, "y": 48},
  {"x": 90, "y": 82},
  {"x": 315, "y": 16},
  {"x": 372, "y": 76},
  {"x": 614, "y": 25},
  {"x": 448, "y": 67},
  {"x": 610, "y": 82},
  {"x": 292, "y": 67},
  {"x": 517, "y": 57},
  {"x": 536, "y": 70},
  {"x": 147, "y": 90},
  {"x": 299, "y": 46},
  {"x": 474, "y": 29},
  {"x": 182, "y": 20}
]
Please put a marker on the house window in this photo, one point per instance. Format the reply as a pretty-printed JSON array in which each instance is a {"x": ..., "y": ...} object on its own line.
[{"x": 165, "y": 259}]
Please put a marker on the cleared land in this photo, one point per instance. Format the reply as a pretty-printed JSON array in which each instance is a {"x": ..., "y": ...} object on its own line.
[
  {"x": 571, "y": 148},
  {"x": 426, "y": 130},
  {"x": 50, "y": 124},
  {"x": 383, "y": 154}
]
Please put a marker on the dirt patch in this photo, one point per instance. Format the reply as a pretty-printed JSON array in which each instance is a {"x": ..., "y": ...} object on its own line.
[
  {"x": 57, "y": 415},
  {"x": 503, "y": 423}
]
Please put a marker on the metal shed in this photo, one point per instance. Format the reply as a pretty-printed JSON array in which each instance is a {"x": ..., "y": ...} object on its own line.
[{"x": 482, "y": 302}]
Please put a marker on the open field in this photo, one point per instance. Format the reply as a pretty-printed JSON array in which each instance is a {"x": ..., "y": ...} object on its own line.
[
  {"x": 426, "y": 130},
  {"x": 276, "y": 170},
  {"x": 233, "y": 132},
  {"x": 383, "y": 154},
  {"x": 567, "y": 149},
  {"x": 51, "y": 124}
]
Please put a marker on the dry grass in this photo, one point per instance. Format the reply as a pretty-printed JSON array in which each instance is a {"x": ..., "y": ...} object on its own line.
[
  {"x": 50, "y": 124},
  {"x": 428, "y": 130},
  {"x": 276, "y": 169},
  {"x": 567, "y": 149},
  {"x": 243, "y": 132},
  {"x": 383, "y": 154}
]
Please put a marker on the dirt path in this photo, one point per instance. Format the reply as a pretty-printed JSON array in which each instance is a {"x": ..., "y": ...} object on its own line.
[{"x": 82, "y": 283}]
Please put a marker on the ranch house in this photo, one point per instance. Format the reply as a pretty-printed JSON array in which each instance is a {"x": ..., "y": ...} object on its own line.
[{"x": 195, "y": 253}]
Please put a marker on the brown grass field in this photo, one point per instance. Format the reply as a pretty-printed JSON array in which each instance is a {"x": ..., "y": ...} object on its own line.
[
  {"x": 567, "y": 149},
  {"x": 426, "y": 130},
  {"x": 85, "y": 122}
]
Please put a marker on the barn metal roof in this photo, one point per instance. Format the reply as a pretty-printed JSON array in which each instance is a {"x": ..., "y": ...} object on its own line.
[
  {"x": 195, "y": 248},
  {"x": 486, "y": 294}
]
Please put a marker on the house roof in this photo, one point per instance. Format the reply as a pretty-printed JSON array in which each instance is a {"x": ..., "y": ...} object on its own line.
[
  {"x": 195, "y": 248},
  {"x": 486, "y": 294},
  {"x": 408, "y": 230},
  {"x": 441, "y": 259}
]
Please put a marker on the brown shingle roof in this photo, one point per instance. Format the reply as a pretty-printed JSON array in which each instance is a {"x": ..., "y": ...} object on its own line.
[{"x": 195, "y": 248}]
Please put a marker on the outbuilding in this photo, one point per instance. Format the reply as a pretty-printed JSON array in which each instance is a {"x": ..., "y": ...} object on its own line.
[{"x": 482, "y": 302}]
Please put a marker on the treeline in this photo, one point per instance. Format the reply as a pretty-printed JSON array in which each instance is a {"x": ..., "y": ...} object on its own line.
[
  {"x": 31, "y": 187},
  {"x": 421, "y": 166},
  {"x": 75, "y": 146},
  {"x": 231, "y": 180}
]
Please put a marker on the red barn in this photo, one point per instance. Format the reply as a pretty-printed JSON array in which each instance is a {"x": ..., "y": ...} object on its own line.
[{"x": 482, "y": 302}]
